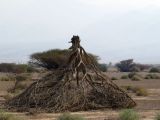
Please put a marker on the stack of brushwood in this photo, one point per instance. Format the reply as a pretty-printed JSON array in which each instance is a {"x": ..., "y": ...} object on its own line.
[{"x": 79, "y": 86}]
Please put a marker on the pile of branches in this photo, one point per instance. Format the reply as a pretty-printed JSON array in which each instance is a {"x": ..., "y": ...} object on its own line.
[{"x": 78, "y": 87}]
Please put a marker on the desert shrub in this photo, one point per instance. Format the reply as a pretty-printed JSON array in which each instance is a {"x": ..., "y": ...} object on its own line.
[
  {"x": 22, "y": 77},
  {"x": 136, "y": 78},
  {"x": 4, "y": 79},
  {"x": 14, "y": 68},
  {"x": 67, "y": 116},
  {"x": 154, "y": 70},
  {"x": 114, "y": 78},
  {"x": 152, "y": 76},
  {"x": 132, "y": 74},
  {"x": 141, "y": 91},
  {"x": 6, "y": 116},
  {"x": 124, "y": 77},
  {"x": 128, "y": 88},
  {"x": 128, "y": 114},
  {"x": 137, "y": 90},
  {"x": 157, "y": 116},
  {"x": 54, "y": 59},
  {"x": 102, "y": 67}
]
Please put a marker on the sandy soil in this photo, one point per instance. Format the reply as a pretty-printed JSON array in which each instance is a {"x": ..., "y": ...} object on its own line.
[{"x": 147, "y": 107}]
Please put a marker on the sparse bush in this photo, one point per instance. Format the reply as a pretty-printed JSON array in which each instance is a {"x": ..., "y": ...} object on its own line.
[
  {"x": 7, "y": 78},
  {"x": 157, "y": 116},
  {"x": 67, "y": 116},
  {"x": 22, "y": 77},
  {"x": 14, "y": 68},
  {"x": 132, "y": 74},
  {"x": 128, "y": 88},
  {"x": 124, "y": 77},
  {"x": 154, "y": 70},
  {"x": 136, "y": 78},
  {"x": 114, "y": 78},
  {"x": 4, "y": 79},
  {"x": 137, "y": 90},
  {"x": 152, "y": 76},
  {"x": 141, "y": 92},
  {"x": 128, "y": 114},
  {"x": 102, "y": 67}
]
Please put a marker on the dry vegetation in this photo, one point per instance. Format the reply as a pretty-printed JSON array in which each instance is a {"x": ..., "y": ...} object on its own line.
[{"x": 63, "y": 90}]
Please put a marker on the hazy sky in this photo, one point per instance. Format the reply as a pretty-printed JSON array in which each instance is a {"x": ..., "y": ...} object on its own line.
[{"x": 113, "y": 29}]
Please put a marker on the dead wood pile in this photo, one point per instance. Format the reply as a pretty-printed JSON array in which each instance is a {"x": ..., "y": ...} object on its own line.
[{"x": 77, "y": 87}]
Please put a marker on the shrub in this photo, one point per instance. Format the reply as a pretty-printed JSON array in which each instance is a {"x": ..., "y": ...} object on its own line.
[
  {"x": 4, "y": 79},
  {"x": 102, "y": 67},
  {"x": 54, "y": 59},
  {"x": 136, "y": 78},
  {"x": 152, "y": 76},
  {"x": 154, "y": 70},
  {"x": 22, "y": 77},
  {"x": 128, "y": 114},
  {"x": 157, "y": 116},
  {"x": 132, "y": 74},
  {"x": 137, "y": 90},
  {"x": 124, "y": 77},
  {"x": 141, "y": 92},
  {"x": 14, "y": 68},
  {"x": 114, "y": 78},
  {"x": 68, "y": 116}
]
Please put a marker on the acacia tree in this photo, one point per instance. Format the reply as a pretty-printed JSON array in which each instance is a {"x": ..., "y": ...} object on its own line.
[{"x": 55, "y": 58}]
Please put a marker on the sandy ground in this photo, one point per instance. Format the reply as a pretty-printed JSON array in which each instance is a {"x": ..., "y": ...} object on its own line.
[{"x": 147, "y": 107}]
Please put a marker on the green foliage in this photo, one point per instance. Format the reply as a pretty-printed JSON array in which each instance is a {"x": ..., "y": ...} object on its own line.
[
  {"x": 103, "y": 67},
  {"x": 54, "y": 59},
  {"x": 114, "y": 78},
  {"x": 130, "y": 66},
  {"x": 6, "y": 116},
  {"x": 67, "y": 116},
  {"x": 125, "y": 65},
  {"x": 128, "y": 114},
  {"x": 15, "y": 68},
  {"x": 124, "y": 77},
  {"x": 157, "y": 116},
  {"x": 154, "y": 70}
]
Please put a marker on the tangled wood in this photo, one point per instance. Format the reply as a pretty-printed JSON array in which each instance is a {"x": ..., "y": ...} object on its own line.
[{"x": 77, "y": 87}]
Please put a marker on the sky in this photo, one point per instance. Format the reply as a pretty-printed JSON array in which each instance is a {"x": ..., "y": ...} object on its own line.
[{"x": 112, "y": 29}]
